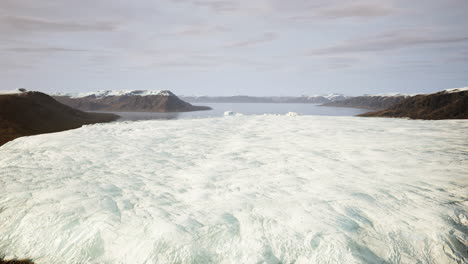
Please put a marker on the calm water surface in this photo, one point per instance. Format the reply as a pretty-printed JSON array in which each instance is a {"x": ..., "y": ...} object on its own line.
[{"x": 246, "y": 109}]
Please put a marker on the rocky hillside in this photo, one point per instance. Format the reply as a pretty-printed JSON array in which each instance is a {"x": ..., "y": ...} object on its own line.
[
  {"x": 448, "y": 104},
  {"x": 371, "y": 102},
  {"x": 128, "y": 101},
  {"x": 16, "y": 261},
  {"x": 31, "y": 113}
]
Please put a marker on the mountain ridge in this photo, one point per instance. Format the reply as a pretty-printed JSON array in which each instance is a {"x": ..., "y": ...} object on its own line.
[
  {"x": 370, "y": 102},
  {"x": 128, "y": 101},
  {"x": 32, "y": 113},
  {"x": 446, "y": 104}
]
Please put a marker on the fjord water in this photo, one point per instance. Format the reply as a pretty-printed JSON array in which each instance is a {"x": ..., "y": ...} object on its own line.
[
  {"x": 243, "y": 189},
  {"x": 218, "y": 110}
]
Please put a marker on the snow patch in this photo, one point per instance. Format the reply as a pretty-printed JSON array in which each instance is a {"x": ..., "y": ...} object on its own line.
[
  {"x": 335, "y": 97},
  {"x": 10, "y": 92},
  {"x": 456, "y": 90},
  {"x": 18, "y": 91}
]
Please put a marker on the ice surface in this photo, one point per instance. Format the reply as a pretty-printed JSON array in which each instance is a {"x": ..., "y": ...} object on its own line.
[
  {"x": 292, "y": 114},
  {"x": 249, "y": 189}
]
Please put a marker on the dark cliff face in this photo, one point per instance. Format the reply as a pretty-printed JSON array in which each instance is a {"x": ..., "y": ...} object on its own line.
[
  {"x": 441, "y": 105},
  {"x": 369, "y": 102},
  {"x": 34, "y": 113},
  {"x": 131, "y": 103}
]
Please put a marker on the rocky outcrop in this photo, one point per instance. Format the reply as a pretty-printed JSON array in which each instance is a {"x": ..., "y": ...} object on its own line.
[
  {"x": 371, "y": 102},
  {"x": 16, "y": 261},
  {"x": 32, "y": 113},
  {"x": 449, "y": 104},
  {"x": 132, "y": 101}
]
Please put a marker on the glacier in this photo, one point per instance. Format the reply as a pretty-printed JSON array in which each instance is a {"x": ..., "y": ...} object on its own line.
[{"x": 243, "y": 189}]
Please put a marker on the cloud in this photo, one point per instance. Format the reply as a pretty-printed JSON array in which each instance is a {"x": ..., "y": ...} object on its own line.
[
  {"x": 235, "y": 35},
  {"x": 459, "y": 57},
  {"x": 266, "y": 37},
  {"x": 218, "y": 6},
  {"x": 357, "y": 10},
  {"x": 32, "y": 24},
  {"x": 389, "y": 41},
  {"x": 347, "y": 11},
  {"x": 44, "y": 50},
  {"x": 341, "y": 62},
  {"x": 239, "y": 6},
  {"x": 297, "y": 9},
  {"x": 16, "y": 46},
  {"x": 200, "y": 30}
]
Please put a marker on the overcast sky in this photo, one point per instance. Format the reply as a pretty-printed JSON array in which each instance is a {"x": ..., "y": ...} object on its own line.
[{"x": 231, "y": 47}]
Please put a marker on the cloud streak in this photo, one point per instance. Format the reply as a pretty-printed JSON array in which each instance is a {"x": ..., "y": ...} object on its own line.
[
  {"x": 218, "y": 6},
  {"x": 388, "y": 41},
  {"x": 266, "y": 37},
  {"x": 357, "y": 10},
  {"x": 32, "y": 24},
  {"x": 367, "y": 11},
  {"x": 200, "y": 30},
  {"x": 44, "y": 50}
]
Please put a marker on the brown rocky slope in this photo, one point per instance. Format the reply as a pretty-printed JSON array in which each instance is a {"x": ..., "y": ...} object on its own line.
[
  {"x": 33, "y": 113},
  {"x": 442, "y": 105},
  {"x": 370, "y": 102},
  {"x": 16, "y": 261}
]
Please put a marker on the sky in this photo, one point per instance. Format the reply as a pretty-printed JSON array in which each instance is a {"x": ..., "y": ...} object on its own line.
[{"x": 234, "y": 47}]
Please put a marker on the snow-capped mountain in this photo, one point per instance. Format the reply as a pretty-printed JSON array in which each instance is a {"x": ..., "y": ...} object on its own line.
[
  {"x": 127, "y": 101},
  {"x": 108, "y": 93},
  {"x": 335, "y": 97}
]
